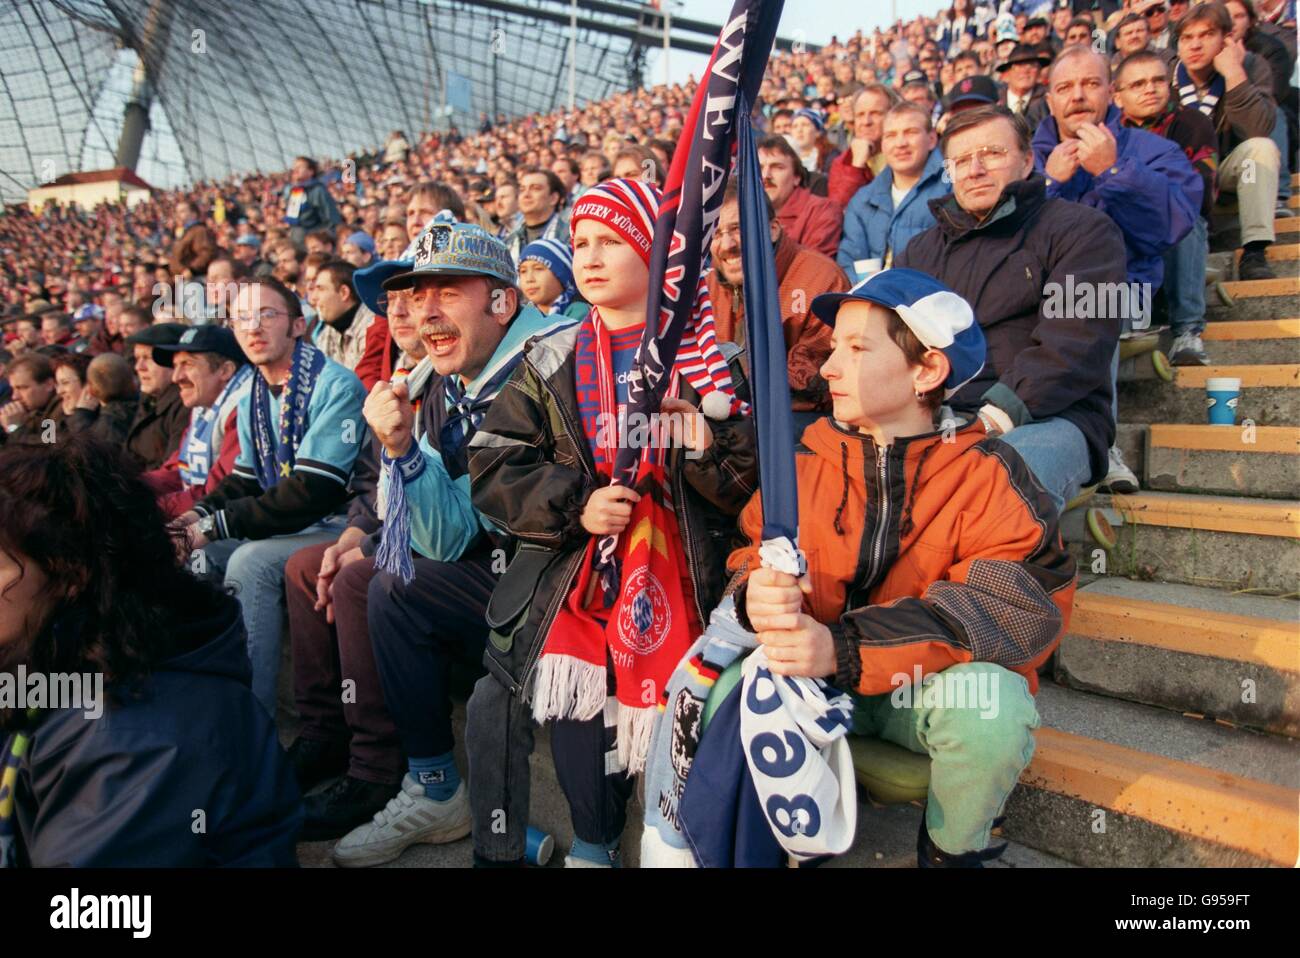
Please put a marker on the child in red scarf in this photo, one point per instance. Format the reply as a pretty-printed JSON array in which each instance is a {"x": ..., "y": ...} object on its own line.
[{"x": 593, "y": 666}]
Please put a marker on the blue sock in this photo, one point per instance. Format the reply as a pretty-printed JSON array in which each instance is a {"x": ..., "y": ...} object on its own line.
[
  {"x": 439, "y": 775},
  {"x": 601, "y": 854}
]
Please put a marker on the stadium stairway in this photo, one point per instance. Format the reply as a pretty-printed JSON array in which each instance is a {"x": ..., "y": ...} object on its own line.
[{"x": 1171, "y": 713}]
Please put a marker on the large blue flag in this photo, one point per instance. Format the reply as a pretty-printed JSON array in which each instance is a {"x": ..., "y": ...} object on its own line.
[{"x": 688, "y": 214}]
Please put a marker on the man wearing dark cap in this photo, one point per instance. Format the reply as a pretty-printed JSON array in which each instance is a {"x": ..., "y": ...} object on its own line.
[
  {"x": 212, "y": 376},
  {"x": 161, "y": 418},
  {"x": 1023, "y": 95}
]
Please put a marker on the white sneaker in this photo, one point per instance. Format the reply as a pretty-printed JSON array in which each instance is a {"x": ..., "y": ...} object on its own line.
[
  {"x": 1188, "y": 350},
  {"x": 409, "y": 818},
  {"x": 1120, "y": 478}
]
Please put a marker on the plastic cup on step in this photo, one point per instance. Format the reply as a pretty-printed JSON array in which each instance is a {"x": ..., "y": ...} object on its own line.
[
  {"x": 539, "y": 846},
  {"x": 1221, "y": 396}
]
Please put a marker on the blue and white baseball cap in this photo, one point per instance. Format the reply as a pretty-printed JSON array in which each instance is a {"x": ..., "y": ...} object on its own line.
[
  {"x": 937, "y": 316},
  {"x": 89, "y": 311}
]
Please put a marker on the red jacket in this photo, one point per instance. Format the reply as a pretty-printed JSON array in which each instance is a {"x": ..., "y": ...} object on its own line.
[
  {"x": 812, "y": 221},
  {"x": 174, "y": 497},
  {"x": 845, "y": 179}
]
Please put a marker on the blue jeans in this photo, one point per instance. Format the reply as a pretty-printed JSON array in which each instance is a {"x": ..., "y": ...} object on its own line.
[
  {"x": 1185, "y": 280},
  {"x": 1278, "y": 136},
  {"x": 1056, "y": 453},
  {"x": 255, "y": 568}
]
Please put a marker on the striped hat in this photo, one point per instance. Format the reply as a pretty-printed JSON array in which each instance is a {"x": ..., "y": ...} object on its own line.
[
  {"x": 554, "y": 255},
  {"x": 630, "y": 208}
]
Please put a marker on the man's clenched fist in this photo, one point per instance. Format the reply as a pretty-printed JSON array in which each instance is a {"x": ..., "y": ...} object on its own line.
[{"x": 390, "y": 414}]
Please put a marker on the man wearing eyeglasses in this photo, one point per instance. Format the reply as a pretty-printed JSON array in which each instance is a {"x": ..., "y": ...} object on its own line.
[
  {"x": 1142, "y": 93},
  {"x": 1142, "y": 181},
  {"x": 1003, "y": 245},
  {"x": 300, "y": 429}
]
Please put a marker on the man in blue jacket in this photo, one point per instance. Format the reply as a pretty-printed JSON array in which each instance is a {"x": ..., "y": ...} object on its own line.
[
  {"x": 884, "y": 215},
  {"x": 1142, "y": 181}
]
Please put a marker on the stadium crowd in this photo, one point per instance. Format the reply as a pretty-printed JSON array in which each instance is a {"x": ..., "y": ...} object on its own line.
[{"x": 370, "y": 398}]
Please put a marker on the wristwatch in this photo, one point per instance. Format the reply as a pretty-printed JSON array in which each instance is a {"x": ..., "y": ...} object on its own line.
[{"x": 208, "y": 526}]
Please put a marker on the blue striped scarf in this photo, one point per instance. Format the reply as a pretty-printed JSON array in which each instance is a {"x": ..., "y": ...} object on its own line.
[{"x": 275, "y": 459}]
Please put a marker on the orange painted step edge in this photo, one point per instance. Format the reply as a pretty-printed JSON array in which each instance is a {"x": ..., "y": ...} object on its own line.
[
  {"x": 1258, "y": 288},
  {"x": 1290, "y": 224},
  {"x": 1247, "y": 329},
  {"x": 1283, "y": 440},
  {"x": 1281, "y": 375},
  {"x": 1273, "y": 643},
  {"x": 1259, "y": 818},
  {"x": 1258, "y": 517},
  {"x": 1278, "y": 252}
]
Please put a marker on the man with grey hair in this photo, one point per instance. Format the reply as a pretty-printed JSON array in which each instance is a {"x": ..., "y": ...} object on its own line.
[{"x": 1142, "y": 181}]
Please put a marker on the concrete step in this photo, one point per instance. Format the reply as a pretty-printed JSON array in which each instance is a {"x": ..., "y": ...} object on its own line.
[
  {"x": 1116, "y": 784},
  {"x": 1226, "y": 656},
  {"x": 1256, "y": 299},
  {"x": 1241, "y": 461},
  {"x": 1280, "y": 252},
  {"x": 1251, "y": 342},
  {"x": 1216, "y": 541},
  {"x": 1270, "y": 395}
]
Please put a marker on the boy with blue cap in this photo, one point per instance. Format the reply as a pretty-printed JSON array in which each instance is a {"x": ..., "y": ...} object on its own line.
[
  {"x": 931, "y": 549},
  {"x": 546, "y": 278}
]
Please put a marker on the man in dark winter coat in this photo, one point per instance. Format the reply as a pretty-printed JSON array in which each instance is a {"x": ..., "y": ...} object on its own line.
[
  {"x": 1022, "y": 259},
  {"x": 161, "y": 418}
]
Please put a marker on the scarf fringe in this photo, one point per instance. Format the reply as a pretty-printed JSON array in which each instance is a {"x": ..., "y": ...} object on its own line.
[
  {"x": 568, "y": 688},
  {"x": 657, "y": 853},
  {"x": 394, "y": 553},
  {"x": 635, "y": 728}
]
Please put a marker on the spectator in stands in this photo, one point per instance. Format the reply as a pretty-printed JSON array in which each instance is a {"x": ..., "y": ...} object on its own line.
[
  {"x": 546, "y": 279},
  {"x": 320, "y": 243},
  {"x": 894, "y": 207},
  {"x": 1281, "y": 62},
  {"x": 246, "y": 250},
  {"x": 89, "y": 582},
  {"x": 55, "y": 329},
  {"x": 6, "y": 391},
  {"x": 359, "y": 250},
  {"x": 857, "y": 165},
  {"x": 812, "y": 221},
  {"x": 1216, "y": 75},
  {"x": 1143, "y": 95},
  {"x": 541, "y": 195},
  {"x": 392, "y": 241},
  {"x": 569, "y": 172},
  {"x": 1141, "y": 180},
  {"x": 220, "y": 287},
  {"x": 801, "y": 273},
  {"x": 1133, "y": 34},
  {"x": 594, "y": 168},
  {"x": 890, "y": 375},
  {"x": 1079, "y": 31},
  {"x": 213, "y": 377},
  {"x": 110, "y": 401},
  {"x": 292, "y": 473},
  {"x": 1002, "y": 244},
  {"x": 420, "y": 618},
  {"x": 1023, "y": 95},
  {"x": 635, "y": 162},
  {"x": 88, "y": 321},
  {"x": 28, "y": 332},
  {"x": 808, "y": 133},
  {"x": 195, "y": 245},
  {"x": 287, "y": 260},
  {"x": 326, "y": 588},
  {"x": 36, "y": 411},
  {"x": 133, "y": 319},
  {"x": 530, "y": 484},
  {"x": 307, "y": 202},
  {"x": 69, "y": 380},
  {"x": 1156, "y": 14},
  {"x": 160, "y": 418},
  {"x": 349, "y": 333}
]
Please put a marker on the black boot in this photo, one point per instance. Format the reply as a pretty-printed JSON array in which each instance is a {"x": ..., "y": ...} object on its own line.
[
  {"x": 314, "y": 761},
  {"x": 1254, "y": 265},
  {"x": 343, "y": 806},
  {"x": 929, "y": 855}
]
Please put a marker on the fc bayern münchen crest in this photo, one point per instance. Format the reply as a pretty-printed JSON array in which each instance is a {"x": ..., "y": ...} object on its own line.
[{"x": 643, "y": 622}]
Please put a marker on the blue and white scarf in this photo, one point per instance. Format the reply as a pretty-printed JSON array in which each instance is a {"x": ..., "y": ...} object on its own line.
[
  {"x": 275, "y": 457},
  {"x": 201, "y": 444},
  {"x": 1187, "y": 95}
]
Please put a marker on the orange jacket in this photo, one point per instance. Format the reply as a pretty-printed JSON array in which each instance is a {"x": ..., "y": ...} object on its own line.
[{"x": 937, "y": 550}]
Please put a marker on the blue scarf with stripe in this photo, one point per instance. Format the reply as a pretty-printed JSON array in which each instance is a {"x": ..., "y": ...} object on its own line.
[{"x": 275, "y": 457}]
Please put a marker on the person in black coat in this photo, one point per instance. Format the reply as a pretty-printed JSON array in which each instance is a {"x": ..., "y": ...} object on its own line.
[
  {"x": 163, "y": 758},
  {"x": 1041, "y": 275}
]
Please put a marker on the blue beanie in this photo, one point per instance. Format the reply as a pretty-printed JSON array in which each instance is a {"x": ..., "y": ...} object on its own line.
[
  {"x": 936, "y": 315},
  {"x": 555, "y": 256},
  {"x": 362, "y": 241},
  {"x": 813, "y": 117}
]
